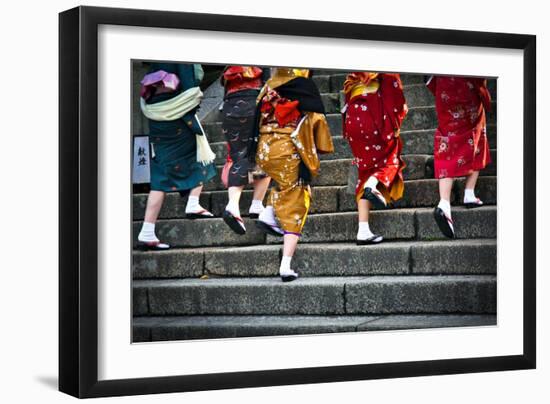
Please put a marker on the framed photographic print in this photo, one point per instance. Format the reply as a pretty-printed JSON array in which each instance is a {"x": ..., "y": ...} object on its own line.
[{"x": 251, "y": 201}]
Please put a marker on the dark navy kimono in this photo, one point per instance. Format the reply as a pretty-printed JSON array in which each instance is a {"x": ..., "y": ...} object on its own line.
[{"x": 174, "y": 165}]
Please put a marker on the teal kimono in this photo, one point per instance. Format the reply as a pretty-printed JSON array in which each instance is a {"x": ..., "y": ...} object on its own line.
[{"x": 174, "y": 165}]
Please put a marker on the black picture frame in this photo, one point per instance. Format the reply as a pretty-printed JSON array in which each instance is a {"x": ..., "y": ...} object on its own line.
[{"x": 78, "y": 196}]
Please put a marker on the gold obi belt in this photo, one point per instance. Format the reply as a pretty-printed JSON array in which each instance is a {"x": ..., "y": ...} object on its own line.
[{"x": 364, "y": 89}]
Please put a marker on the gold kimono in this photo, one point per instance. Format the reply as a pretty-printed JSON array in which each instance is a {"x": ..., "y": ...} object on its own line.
[{"x": 280, "y": 151}]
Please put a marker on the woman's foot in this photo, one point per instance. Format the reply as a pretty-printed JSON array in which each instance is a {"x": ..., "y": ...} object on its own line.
[
  {"x": 268, "y": 223},
  {"x": 194, "y": 210},
  {"x": 366, "y": 236},
  {"x": 373, "y": 195},
  {"x": 442, "y": 216},
  {"x": 232, "y": 217},
  {"x": 256, "y": 208},
  {"x": 374, "y": 239},
  {"x": 152, "y": 246},
  {"x": 287, "y": 274},
  {"x": 470, "y": 199},
  {"x": 147, "y": 239},
  {"x": 234, "y": 222},
  {"x": 199, "y": 214}
]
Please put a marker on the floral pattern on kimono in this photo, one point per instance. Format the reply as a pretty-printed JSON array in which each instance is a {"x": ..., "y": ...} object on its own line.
[
  {"x": 287, "y": 140},
  {"x": 375, "y": 108},
  {"x": 460, "y": 141}
]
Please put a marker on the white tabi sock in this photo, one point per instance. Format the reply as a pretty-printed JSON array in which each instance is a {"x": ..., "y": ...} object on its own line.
[
  {"x": 257, "y": 206},
  {"x": 147, "y": 233},
  {"x": 364, "y": 231},
  {"x": 193, "y": 204},
  {"x": 445, "y": 206},
  {"x": 284, "y": 269},
  {"x": 233, "y": 208},
  {"x": 371, "y": 183},
  {"x": 268, "y": 216},
  {"x": 469, "y": 196}
]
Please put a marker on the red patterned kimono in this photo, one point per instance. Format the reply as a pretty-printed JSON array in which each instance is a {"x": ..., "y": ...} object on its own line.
[
  {"x": 375, "y": 109},
  {"x": 460, "y": 144}
]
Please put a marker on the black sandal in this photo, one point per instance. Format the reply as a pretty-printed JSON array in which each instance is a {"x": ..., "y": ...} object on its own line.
[
  {"x": 471, "y": 205},
  {"x": 152, "y": 246},
  {"x": 267, "y": 228},
  {"x": 289, "y": 278},
  {"x": 199, "y": 215},
  {"x": 235, "y": 223},
  {"x": 375, "y": 239},
  {"x": 374, "y": 197},
  {"x": 444, "y": 223}
]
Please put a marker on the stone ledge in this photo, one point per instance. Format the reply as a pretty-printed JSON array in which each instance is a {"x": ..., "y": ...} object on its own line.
[
  {"x": 147, "y": 329},
  {"x": 476, "y": 256},
  {"x": 474, "y": 294}
]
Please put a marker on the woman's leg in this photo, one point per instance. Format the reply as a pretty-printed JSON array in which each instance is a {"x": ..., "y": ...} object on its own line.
[
  {"x": 364, "y": 233},
  {"x": 442, "y": 213},
  {"x": 363, "y": 207},
  {"x": 470, "y": 199},
  {"x": 154, "y": 204},
  {"x": 232, "y": 213},
  {"x": 471, "y": 180},
  {"x": 290, "y": 242},
  {"x": 147, "y": 236},
  {"x": 445, "y": 188},
  {"x": 260, "y": 188},
  {"x": 193, "y": 209},
  {"x": 196, "y": 191},
  {"x": 234, "y": 195}
]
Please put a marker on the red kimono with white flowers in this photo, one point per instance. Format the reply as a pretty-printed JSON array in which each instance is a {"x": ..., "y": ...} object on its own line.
[
  {"x": 375, "y": 109},
  {"x": 460, "y": 143}
]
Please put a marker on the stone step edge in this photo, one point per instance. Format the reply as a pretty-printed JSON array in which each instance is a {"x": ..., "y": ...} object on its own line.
[
  {"x": 149, "y": 328},
  {"x": 322, "y": 187},
  {"x": 415, "y": 210},
  {"x": 309, "y": 281},
  {"x": 407, "y": 258},
  {"x": 334, "y": 295},
  {"x": 306, "y": 246}
]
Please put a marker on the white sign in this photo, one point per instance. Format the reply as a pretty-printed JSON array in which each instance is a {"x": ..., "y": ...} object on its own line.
[{"x": 141, "y": 173}]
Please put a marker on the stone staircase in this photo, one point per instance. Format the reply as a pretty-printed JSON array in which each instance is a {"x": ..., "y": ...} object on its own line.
[{"x": 216, "y": 284}]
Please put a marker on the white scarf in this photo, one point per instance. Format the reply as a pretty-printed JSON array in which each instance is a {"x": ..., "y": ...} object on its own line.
[{"x": 175, "y": 108}]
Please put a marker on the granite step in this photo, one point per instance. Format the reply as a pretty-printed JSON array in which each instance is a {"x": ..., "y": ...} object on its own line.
[
  {"x": 172, "y": 328},
  {"x": 418, "y": 118},
  {"x": 448, "y": 257},
  {"x": 325, "y": 199},
  {"x": 393, "y": 224},
  {"x": 398, "y": 224},
  {"x": 414, "y": 142},
  {"x": 409, "y": 294},
  {"x": 337, "y": 172}
]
